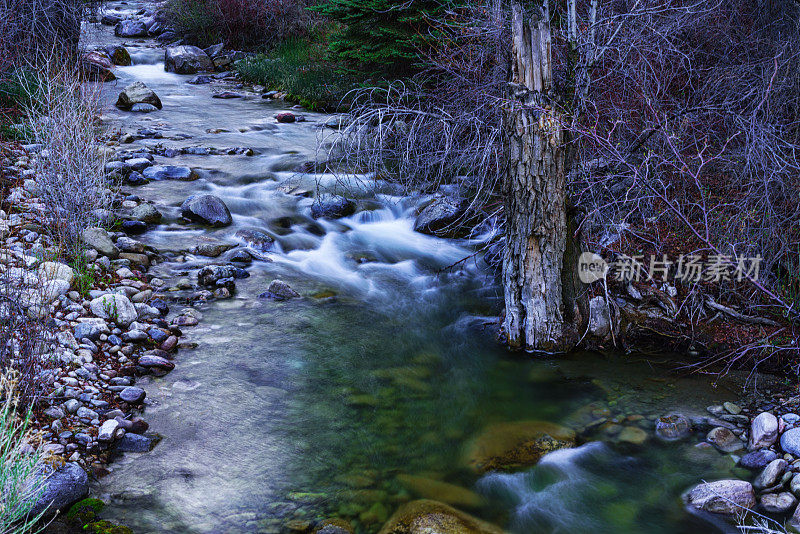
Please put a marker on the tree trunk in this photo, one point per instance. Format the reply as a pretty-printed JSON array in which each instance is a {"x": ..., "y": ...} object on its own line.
[{"x": 534, "y": 193}]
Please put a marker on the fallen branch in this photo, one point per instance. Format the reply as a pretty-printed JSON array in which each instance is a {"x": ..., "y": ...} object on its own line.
[{"x": 751, "y": 319}]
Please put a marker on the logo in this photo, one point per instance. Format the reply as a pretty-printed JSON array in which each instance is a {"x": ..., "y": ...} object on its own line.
[{"x": 591, "y": 267}]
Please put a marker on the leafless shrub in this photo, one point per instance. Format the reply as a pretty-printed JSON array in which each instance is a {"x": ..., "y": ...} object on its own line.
[
  {"x": 31, "y": 28},
  {"x": 69, "y": 169}
]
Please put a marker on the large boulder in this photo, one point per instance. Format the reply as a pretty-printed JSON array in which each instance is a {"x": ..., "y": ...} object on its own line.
[
  {"x": 432, "y": 517},
  {"x": 118, "y": 55},
  {"x": 332, "y": 206},
  {"x": 137, "y": 93},
  {"x": 96, "y": 67},
  {"x": 185, "y": 59},
  {"x": 442, "y": 217},
  {"x": 206, "y": 209},
  {"x": 509, "y": 445},
  {"x": 722, "y": 496},
  {"x": 114, "y": 307},
  {"x": 146, "y": 213},
  {"x": 63, "y": 486},
  {"x": 130, "y": 28},
  {"x": 98, "y": 239},
  {"x": 52, "y": 270},
  {"x": 763, "y": 431}
]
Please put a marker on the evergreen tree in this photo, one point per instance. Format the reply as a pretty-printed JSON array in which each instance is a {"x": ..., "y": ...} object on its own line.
[{"x": 382, "y": 36}]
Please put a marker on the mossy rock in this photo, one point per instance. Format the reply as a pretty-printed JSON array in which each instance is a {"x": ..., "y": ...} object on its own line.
[
  {"x": 334, "y": 526},
  {"x": 106, "y": 527},
  {"x": 442, "y": 491},
  {"x": 426, "y": 516},
  {"x": 511, "y": 445},
  {"x": 84, "y": 511}
]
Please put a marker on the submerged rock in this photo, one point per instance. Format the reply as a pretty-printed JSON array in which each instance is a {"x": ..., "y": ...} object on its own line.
[
  {"x": 432, "y": 517},
  {"x": 137, "y": 93},
  {"x": 673, "y": 427},
  {"x": 503, "y": 446},
  {"x": 436, "y": 489},
  {"x": 146, "y": 213},
  {"x": 722, "y": 496},
  {"x": 206, "y": 209},
  {"x": 185, "y": 59}
]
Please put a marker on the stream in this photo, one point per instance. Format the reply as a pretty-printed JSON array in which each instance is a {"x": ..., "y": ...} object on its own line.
[{"x": 364, "y": 394}]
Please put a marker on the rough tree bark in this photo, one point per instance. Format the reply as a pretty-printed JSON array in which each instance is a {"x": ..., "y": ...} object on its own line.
[{"x": 534, "y": 192}]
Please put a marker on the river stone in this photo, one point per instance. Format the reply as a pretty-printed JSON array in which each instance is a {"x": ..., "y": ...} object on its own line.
[
  {"x": 130, "y": 28},
  {"x": 201, "y": 79},
  {"x": 428, "y": 488},
  {"x": 146, "y": 213},
  {"x": 52, "y": 289},
  {"x": 132, "y": 395},
  {"x": 110, "y": 19},
  {"x": 279, "y": 290},
  {"x": 151, "y": 360},
  {"x": 52, "y": 270},
  {"x": 771, "y": 474},
  {"x": 206, "y": 209},
  {"x": 143, "y": 108},
  {"x": 432, "y": 517},
  {"x": 503, "y": 446},
  {"x": 212, "y": 250},
  {"x": 255, "y": 239},
  {"x": 724, "y": 440},
  {"x": 334, "y": 526},
  {"x": 98, "y": 239},
  {"x": 118, "y": 54},
  {"x": 722, "y": 496},
  {"x": 332, "y": 207},
  {"x": 757, "y": 459},
  {"x": 135, "y": 443},
  {"x": 169, "y": 172},
  {"x": 763, "y": 431},
  {"x": 185, "y": 59},
  {"x": 63, "y": 486},
  {"x": 732, "y": 408},
  {"x": 287, "y": 117},
  {"x": 108, "y": 431},
  {"x": 441, "y": 217},
  {"x": 790, "y": 441},
  {"x": 137, "y": 93},
  {"x": 778, "y": 503},
  {"x": 96, "y": 67},
  {"x": 88, "y": 331},
  {"x": 115, "y": 307},
  {"x": 209, "y": 275},
  {"x": 673, "y": 427}
]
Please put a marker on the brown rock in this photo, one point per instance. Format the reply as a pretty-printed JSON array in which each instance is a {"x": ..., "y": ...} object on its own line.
[
  {"x": 504, "y": 446},
  {"x": 428, "y": 517}
]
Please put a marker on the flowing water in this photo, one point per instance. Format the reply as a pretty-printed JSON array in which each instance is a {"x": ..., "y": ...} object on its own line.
[{"x": 319, "y": 407}]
